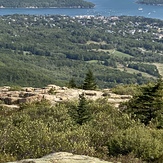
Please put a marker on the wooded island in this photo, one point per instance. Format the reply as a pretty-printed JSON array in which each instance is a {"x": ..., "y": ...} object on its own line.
[
  {"x": 151, "y": 2},
  {"x": 47, "y": 3}
]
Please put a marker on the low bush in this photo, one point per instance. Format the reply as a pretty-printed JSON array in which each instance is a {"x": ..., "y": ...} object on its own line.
[{"x": 38, "y": 129}]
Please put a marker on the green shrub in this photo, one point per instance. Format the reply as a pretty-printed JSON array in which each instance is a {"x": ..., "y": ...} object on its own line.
[
  {"x": 15, "y": 88},
  {"x": 142, "y": 142},
  {"x": 4, "y": 157},
  {"x": 29, "y": 140},
  {"x": 125, "y": 89},
  {"x": 38, "y": 129},
  {"x": 147, "y": 106},
  {"x": 52, "y": 91}
]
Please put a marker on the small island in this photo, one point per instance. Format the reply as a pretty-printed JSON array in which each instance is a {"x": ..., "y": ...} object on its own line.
[
  {"x": 151, "y": 2},
  {"x": 46, "y": 4}
]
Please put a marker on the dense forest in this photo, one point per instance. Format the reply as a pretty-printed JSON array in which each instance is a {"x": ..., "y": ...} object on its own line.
[
  {"x": 153, "y": 2},
  {"x": 38, "y": 50},
  {"x": 132, "y": 133},
  {"x": 47, "y": 3}
]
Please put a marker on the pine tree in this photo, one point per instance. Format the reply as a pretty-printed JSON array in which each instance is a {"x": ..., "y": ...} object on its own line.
[
  {"x": 89, "y": 82},
  {"x": 148, "y": 103},
  {"x": 72, "y": 83},
  {"x": 83, "y": 111}
]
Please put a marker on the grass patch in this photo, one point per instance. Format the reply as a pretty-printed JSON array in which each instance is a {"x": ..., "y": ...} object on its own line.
[
  {"x": 101, "y": 50},
  {"x": 119, "y": 54},
  {"x": 98, "y": 43},
  {"x": 159, "y": 67},
  {"x": 92, "y": 61},
  {"x": 133, "y": 71}
]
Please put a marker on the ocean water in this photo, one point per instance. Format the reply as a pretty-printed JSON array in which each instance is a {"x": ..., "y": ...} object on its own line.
[
  {"x": 102, "y": 7},
  {"x": 127, "y": 7}
]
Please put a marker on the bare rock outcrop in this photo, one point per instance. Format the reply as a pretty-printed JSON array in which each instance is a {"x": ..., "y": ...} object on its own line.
[
  {"x": 63, "y": 157},
  {"x": 56, "y": 94}
]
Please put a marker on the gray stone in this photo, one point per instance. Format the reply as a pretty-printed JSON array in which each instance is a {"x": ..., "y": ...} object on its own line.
[{"x": 63, "y": 157}]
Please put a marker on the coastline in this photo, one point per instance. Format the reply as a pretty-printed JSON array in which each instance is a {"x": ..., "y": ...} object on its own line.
[
  {"x": 152, "y": 4},
  {"x": 104, "y": 8},
  {"x": 37, "y": 7}
]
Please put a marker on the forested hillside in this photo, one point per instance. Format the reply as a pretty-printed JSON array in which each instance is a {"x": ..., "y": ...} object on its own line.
[
  {"x": 153, "y": 2},
  {"x": 38, "y": 50},
  {"x": 47, "y": 3}
]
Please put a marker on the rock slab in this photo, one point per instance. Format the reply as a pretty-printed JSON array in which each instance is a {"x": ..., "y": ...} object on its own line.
[{"x": 63, "y": 157}]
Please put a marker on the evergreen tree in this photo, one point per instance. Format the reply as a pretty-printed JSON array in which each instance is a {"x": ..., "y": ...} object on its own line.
[
  {"x": 148, "y": 104},
  {"x": 72, "y": 83},
  {"x": 83, "y": 112},
  {"x": 89, "y": 82}
]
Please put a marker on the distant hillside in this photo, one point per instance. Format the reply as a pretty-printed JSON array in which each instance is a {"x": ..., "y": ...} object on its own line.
[
  {"x": 38, "y": 50},
  {"x": 152, "y": 2},
  {"x": 46, "y": 3}
]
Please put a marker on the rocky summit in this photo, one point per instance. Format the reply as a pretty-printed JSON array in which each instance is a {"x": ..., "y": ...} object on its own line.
[
  {"x": 63, "y": 157},
  {"x": 13, "y": 98}
]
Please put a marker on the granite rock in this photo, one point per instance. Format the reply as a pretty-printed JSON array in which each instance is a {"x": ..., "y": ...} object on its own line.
[{"x": 63, "y": 157}]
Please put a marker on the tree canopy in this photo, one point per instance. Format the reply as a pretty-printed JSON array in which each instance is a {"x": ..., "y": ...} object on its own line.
[
  {"x": 38, "y": 50},
  {"x": 89, "y": 81},
  {"x": 148, "y": 104}
]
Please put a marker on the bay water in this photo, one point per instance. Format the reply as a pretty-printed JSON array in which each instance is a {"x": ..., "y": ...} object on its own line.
[{"x": 102, "y": 7}]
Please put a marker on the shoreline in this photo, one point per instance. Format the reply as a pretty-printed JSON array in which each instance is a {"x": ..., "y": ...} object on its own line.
[
  {"x": 32, "y": 7},
  {"x": 152, "y": 4}
]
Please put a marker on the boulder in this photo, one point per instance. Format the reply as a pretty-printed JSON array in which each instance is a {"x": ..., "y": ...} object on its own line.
[
  {"x": 126, "y": 96},
  {"x": 63, "y": 157},
  {"x": 90, "y": 93},
  {"x": 53, "y": 86},
  {"x": 10, "y": 100},
  {"x": 34, "y": 98},
  {"x": 14, "y": 93},
  {"x": 28, "y": 94},
  {"x": 10, "y": 106},
  {"x": 64, "y": 88},
  {"x": 5, "y": 89},
  {"x": 49, "y": 97},
  {"x": 28, "y": 89}
]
